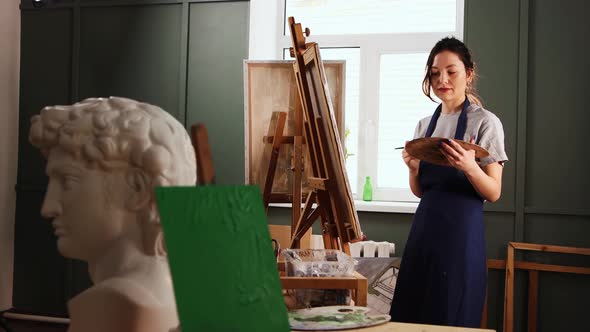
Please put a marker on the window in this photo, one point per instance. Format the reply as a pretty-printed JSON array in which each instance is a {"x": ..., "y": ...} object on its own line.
[{"x": 385, "y": 44}]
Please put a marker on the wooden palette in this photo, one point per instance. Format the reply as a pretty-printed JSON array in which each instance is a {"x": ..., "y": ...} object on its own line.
[
  {"x": 428, "y": 149},
  {"x": 331, "y": 318}
]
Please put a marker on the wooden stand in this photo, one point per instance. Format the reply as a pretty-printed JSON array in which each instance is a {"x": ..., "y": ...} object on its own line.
[
  {"x": 357, "y": 283},
  {"x": 276, "y": 139},
  {"x": 331, "y": 198},
  {"x": 206, "y": 175},
  {"x": 533, "y": 268},
  {"x": 533, "y": 278},
  {"x": 200, "y": 140}
]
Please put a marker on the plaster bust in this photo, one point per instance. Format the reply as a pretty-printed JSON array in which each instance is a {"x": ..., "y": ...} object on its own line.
[{"x": 104, "y": 157}]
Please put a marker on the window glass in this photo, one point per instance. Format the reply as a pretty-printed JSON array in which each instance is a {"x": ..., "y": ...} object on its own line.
[
  {"x": 336, "y": 17},
  {"x": 401, "y": 105}
]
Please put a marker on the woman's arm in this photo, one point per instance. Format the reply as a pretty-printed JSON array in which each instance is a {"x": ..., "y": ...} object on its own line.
[
  {"x": 487, "y": 181},
  {"x": 415, "y": 185}
]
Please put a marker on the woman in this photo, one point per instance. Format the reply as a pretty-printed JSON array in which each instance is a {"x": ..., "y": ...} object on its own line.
[{"x": 443, "y": 277}]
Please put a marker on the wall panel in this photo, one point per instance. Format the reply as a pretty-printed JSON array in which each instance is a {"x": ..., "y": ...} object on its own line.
[
  {"x": 46, "y": 48},
  {"x": 39, "y": 270},
  {"x": 495, "y": 51},
  {"x": 558, "y": 118},
  {"x": 215, "y": 93},
  {"x": 563, "y": 302},
  {"x": 138, "y": 49},
  {"x": 387, "y": 227},
  {"x": 498, "y": 230},
  {"x": 135, "y": 55},
  {"x": 562, "y": 230},
  {"x": 45, "y": 79}
]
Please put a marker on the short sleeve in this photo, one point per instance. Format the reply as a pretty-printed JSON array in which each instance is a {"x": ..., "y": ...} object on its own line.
[
  {"x": 491, "y": 138},
  {"x": 417, "y": 130},
  {"x": 420, "y": 130}
]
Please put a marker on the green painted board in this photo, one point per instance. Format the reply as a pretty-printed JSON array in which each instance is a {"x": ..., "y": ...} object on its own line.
[{"x": 221, "y": 258}]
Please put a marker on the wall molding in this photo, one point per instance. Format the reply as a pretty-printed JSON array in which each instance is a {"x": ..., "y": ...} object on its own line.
[
  {"x": 60, "y": 4},
  {"x": 557, "y": 211},
  {"x": 521, "y": 122}
]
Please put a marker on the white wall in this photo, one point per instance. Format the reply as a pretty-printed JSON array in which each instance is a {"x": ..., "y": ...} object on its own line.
[
  {"x": 264, "y": 21},
  {"x": 9, "y": 75}
]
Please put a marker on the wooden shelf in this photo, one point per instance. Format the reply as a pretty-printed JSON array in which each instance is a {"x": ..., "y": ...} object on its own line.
[{"x": 357, "y": 283}]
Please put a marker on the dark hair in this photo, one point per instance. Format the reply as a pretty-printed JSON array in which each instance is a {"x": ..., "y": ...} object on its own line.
[{"x": 456, "y": 46}]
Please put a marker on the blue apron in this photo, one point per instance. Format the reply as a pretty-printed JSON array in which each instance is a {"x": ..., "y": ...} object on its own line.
[{"x": 442, "y": 278}]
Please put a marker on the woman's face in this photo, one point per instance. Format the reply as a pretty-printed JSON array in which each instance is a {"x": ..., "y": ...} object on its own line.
[{"x": 448, "y": 77}]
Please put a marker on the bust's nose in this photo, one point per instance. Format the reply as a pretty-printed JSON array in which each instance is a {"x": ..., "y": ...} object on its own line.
[
  {"x": 51, "y": 204},
  {"x": 51, "y": 208}
]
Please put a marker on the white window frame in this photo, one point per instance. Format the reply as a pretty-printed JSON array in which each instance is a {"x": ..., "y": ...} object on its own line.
[{"x": 372, "y": 46}]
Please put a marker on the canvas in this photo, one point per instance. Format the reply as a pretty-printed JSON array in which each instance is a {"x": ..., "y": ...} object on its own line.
[{"x": 269, "y": 87}]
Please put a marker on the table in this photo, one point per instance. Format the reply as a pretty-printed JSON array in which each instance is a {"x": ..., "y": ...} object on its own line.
[{"x": 403, "y": 327}]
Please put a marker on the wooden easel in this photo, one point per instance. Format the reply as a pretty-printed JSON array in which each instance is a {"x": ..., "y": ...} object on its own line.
[
  {"x": 206, "y": 175},
  {"x": 200, "y": 140},
  {"x": 275, "y": 137},
  {"x": 315, "y": 119}
]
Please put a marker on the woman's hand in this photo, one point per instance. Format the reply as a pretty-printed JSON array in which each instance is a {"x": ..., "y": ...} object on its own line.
[
  {"x": 487, "y": 181},
  {"x": 458, "y": 157},
  {"x": 412, "y": 163},
  {"x": 414, "y": 166}
]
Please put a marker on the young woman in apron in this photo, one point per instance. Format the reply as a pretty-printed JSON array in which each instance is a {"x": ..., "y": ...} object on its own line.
[{"x": 442, "y": 278}]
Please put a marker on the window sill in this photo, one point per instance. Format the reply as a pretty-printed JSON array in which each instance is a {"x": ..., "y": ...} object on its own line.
[
  {"x": 386, "y": 206},
  {"x": 373, "y": 206}
]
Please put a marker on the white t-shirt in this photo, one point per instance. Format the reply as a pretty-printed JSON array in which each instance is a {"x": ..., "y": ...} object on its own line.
[{"x": 481, "y": 124}]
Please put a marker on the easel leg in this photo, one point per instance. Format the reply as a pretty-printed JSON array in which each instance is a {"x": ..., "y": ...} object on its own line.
[
  {"x": 297, "y": 175},
  {"x": 277, "y": 134}
]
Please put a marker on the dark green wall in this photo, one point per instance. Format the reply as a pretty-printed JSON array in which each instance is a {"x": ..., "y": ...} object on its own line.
[
  {"x": 531, "y": 56},
  {"x": 185, "y": 56}
]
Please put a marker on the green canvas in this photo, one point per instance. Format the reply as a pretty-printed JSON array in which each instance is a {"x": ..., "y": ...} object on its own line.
[{"x": 221, "y": 258}]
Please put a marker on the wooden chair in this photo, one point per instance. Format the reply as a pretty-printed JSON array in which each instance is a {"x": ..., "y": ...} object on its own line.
[{"x": 509, "y": 265}]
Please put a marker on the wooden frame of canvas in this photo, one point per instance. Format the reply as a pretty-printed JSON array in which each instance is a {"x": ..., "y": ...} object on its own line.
[
  {"x": 331, "y": 195},
  {"x": 271, "y": 103}
]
